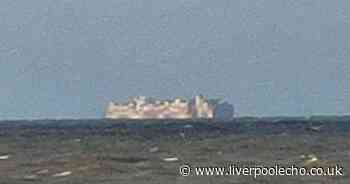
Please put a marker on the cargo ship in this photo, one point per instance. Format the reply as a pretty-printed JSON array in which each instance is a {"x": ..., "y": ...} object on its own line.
[{"x": 142, "y": 107}]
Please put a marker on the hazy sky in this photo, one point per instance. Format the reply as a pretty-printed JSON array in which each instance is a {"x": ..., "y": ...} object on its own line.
[{"x": 68, "y": 58}]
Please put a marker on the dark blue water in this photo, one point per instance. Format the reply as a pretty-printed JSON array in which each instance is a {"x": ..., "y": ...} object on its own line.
[
  {"x": 155, "y": 128},
  {"x": 124, "y": 151}
]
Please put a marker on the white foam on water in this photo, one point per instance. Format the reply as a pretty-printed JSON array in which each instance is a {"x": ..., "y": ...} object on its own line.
[
  {"x": 66, "y": 173},
  {"x": 171, "y": 159},
  {"x": 5, "y": 157}
]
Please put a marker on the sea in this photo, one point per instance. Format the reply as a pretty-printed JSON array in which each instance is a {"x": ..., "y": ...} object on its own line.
[{"x": 175, "y": 151}]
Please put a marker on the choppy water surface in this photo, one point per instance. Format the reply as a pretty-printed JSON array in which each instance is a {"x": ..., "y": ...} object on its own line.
[{"x": 107, "y": 151}]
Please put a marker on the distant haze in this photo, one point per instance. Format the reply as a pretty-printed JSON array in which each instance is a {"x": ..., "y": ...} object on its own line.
[{"x": 68, "y": 58}]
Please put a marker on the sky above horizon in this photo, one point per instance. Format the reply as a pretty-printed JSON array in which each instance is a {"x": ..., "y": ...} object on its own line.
[{"x": 67, "y": 59}]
